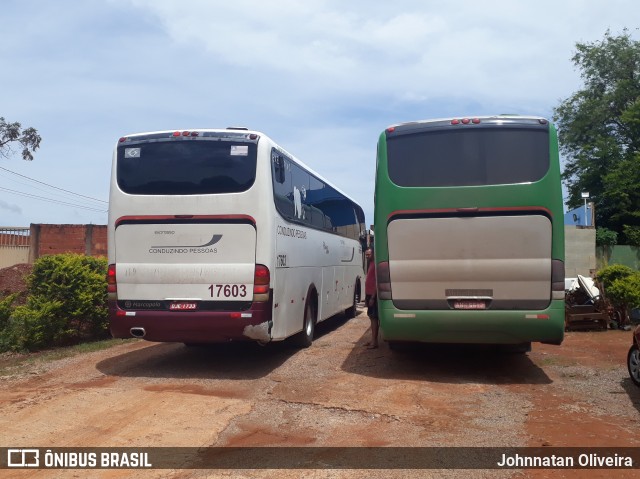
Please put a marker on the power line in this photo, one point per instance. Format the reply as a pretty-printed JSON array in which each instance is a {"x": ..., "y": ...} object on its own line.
[
  {"x": 50, "y": 200},
  {"x": 48, "y": 191},
  {"x": 51, "y": 186}
]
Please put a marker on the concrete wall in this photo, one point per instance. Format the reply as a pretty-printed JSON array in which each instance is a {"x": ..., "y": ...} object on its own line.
[
  {"x": 579, "y": 251},
  {"x": 618, "y": 254}
]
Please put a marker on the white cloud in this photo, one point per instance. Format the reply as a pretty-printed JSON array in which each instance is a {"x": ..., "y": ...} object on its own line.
[
  {"x": 13, "y": 208},
  {"x": 499, "y": 49},
  {"x": 322, "y": 78}
]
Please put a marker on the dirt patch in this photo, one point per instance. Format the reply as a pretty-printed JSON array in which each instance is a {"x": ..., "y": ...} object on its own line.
[
  {"x": 335, "y": 393},
  {"x": 12, "y": 280},
  {"x": 590, "y": 401}
]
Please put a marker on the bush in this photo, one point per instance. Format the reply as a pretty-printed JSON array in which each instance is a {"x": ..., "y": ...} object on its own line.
[
  {"x": 621, "y": 286},
  {"x": 608, "y": 275},
  {"x": 625, "y": 292},
  {"x": 36, "y": 325},
  {"x": 67, "y": 304},
  {"x": 6, "y": 310}
]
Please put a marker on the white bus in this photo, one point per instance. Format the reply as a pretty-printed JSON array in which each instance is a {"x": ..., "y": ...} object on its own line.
[{"x": 220, "y": 234}]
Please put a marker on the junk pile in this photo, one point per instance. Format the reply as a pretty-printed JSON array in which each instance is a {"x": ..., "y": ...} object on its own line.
[{"x": 585, "y": 308}]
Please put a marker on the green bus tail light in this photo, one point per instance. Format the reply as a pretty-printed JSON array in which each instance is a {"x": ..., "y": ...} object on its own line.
[
  {"x": 557, "y": 279},
  {"x": 384, "y": 280}
]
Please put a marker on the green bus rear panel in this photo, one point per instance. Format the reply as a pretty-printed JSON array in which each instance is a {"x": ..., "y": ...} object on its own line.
[{"x": 505, "y": 325}]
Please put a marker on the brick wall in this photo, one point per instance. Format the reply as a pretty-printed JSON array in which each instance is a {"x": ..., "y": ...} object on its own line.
[{"x": 46, "y": 239}]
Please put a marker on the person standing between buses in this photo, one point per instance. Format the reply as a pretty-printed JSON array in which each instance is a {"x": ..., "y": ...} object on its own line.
[{"x": 371, "y": 298}]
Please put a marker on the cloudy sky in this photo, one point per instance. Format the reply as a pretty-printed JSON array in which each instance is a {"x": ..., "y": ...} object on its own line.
[{"x": 322, "y": 78}]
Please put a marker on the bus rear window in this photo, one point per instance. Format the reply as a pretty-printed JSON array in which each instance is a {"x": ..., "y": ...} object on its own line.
[
  {"x": 468, "y": 157},
  {"x": 192, "y": 167}
]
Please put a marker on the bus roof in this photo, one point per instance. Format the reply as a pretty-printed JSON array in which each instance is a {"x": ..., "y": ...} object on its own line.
[
  {"x": 230, "y": 132},
  {"x": 490, "y": 120}
]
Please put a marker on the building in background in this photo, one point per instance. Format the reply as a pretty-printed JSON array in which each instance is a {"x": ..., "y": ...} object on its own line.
[
  {"x": 580, "y": 242},
  {"x": 577, "y": 216}
]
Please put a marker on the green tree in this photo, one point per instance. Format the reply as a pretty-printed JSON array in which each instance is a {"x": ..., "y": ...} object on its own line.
[
  {"x": 632, "y": 233},
  {"x": 606, "y": 237},
  {"x": 599, "y": 131},
  {"x": 11, "y": 133}
]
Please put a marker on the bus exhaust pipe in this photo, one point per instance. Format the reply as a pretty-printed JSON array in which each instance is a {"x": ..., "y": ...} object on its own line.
[{"x": 138, "y": 332}]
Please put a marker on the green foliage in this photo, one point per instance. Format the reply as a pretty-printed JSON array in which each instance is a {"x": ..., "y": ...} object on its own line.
[
  {"x": 632, "y": 235},
  {"x": 625, "y": 292},
  {"x": 36, "y": 325},
  {"x": 6, "y": 309},
  {"x": 28, "y": 139},
  {"x": 621, "y": 286},
  {"x": 606, "y": 276},
  {"x": 599, "y": 130},
  {"x": 606, "y": 237},
  {"x": 67, "y": 303}
]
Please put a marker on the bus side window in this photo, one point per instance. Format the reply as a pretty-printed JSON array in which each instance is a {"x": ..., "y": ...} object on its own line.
[
  {"x": 300, "y": 188},
  {"x": 278, "y": 168},
  {"x": 314, "y": 196},
  {"x": 282, "y": 189}
]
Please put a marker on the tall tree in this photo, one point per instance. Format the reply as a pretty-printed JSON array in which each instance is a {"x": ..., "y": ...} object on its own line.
[
  {"x": 11, "y": 133},
  {"x": 599, "y": 131}
]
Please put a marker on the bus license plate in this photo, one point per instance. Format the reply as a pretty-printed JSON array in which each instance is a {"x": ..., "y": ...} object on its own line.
[
  {"x": 183, "y": 306},
  {"x": 469, "y": 304}
]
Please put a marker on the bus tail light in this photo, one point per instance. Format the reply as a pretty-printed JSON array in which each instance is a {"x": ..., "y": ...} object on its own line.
[
  {"x": 383, "y": 279},
  {"x": 465, "y": 121},
  {"x": 112, "y": 286},
  {"x": 261, "y": 280}
]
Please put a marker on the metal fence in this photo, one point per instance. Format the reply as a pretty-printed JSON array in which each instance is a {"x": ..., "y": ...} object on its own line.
[{"x": 14, "y": 245}]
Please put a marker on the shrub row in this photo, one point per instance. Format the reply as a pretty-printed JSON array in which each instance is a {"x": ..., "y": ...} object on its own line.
[{"x": 66, "y": 304}]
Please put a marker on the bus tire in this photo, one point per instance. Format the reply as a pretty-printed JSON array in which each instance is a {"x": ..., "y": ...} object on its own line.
[
  {"x": 304, "y": 338},
  {"x": 351, "y": 311}
]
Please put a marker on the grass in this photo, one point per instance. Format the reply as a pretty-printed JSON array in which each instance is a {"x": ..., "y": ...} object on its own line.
[
  {"x": 558, "y": 361},
  {"x": 16, "y": 363}
]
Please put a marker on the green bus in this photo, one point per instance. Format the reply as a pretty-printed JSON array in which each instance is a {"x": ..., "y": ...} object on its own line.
[{"x": 469, "y": 232}]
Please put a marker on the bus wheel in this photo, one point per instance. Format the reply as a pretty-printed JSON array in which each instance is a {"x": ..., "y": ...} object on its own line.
[
  {"x": 305, "y": 337},
  {"x": 351, "y": 311}
]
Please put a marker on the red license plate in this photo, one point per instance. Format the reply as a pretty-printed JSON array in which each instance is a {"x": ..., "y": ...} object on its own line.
[
  {"x": 183, "y": 306},
  {"x": 469, "y": 304}
]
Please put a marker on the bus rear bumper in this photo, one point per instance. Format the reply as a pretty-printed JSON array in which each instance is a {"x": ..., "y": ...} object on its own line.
[
  {"x": 193, "y": 327},
  {"x": 473, "y": 327}
]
